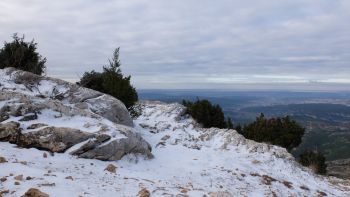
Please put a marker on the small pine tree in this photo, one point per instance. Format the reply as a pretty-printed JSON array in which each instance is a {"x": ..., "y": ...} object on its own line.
[
  {"x": 278, "y": 131},
  {"x": 314, "y": 160},
  {"x": 111, "y": 81},
  {"x": 22, "y": 55},
  {"x": 207, "y": 114}
]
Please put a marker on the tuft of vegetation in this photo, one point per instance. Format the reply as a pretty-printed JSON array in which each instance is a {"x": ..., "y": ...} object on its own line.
[
  {"x": 283, "y": 132},
  {"x": 22, "y": 55},
  {"x": 111, "y": 81},
  {"x": 207, "y": 114},
  {"x": 314, "y": 160}
]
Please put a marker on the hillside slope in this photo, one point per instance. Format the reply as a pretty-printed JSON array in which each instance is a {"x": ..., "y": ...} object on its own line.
[{"x": 187, "y": 160}]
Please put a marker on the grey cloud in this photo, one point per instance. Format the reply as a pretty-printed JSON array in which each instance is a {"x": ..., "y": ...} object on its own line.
[{"x": 192, "y": 43}]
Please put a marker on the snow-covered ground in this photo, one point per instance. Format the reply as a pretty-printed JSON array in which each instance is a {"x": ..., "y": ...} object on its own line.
[{"x": 188, "y": 161}]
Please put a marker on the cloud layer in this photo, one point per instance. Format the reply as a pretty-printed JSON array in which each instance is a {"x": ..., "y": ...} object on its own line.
[{"x": 193, "y": 43}]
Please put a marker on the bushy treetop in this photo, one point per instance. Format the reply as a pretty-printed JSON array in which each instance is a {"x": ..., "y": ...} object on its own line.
[
  {"x": 283, "y": 132},
  {"x": 111, "y": 81},
  {"x": 22, "y": 55},
  {"x": 207, "y": 114}
]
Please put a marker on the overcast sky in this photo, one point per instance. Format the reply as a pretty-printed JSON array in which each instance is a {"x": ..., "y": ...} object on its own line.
[{"x": 223, "y": 44}]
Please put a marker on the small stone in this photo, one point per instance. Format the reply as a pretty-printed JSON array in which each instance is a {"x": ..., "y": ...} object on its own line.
[
  {"x": 111, "y": 168},
  {"x": 29, "y": 178},
  {"x": 23, "y": 162},
  {"x": 45, "y": 155},
  {"x": 48, "y": 184},
  {"x": 29, "y": 117},
  {"x": 69, "y": 177},
  {"x": 36, "y": 126},
  {"x": 3, "y": 179},
  {"x": 19, "y": 177},
  {"x": 144, "y": 193},
  {"x": 17, "y": 183},
  {"x": 32, "y": 192},
  {"x": 4, "y": 191},
  {"x": 184, "y": 191},
  {"x": 3, "y": 160}
]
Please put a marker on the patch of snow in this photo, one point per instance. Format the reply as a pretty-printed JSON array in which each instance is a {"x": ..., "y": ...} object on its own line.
[{"x": 188, "y": 161}]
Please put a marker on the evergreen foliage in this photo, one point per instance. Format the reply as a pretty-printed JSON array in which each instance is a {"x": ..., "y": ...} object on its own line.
[
  {"x": 111, "y": 81},
  {"x": 314, "y": 160},
  {"x": 22, "y": 55},
  {"x": 278, "y": 131},
  {"x": 207, "y": 114}
]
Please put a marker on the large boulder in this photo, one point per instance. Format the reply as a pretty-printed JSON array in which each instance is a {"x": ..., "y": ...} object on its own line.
[
  {"x": 57, "y": 116},
  {"x": 54, "y": 139},
  {"x": 45, "y": 87},
  {"x": 116, "y": 149}
]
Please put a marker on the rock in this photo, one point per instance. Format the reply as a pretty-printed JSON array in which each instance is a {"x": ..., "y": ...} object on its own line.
[
  {"x": 28, "y": 178},
  {"x": 10, "y": 131},
  {"x": 45, "y": 155},
  {"x": 91, "y": 144},
  {"x": 54, "y": 139},
  {"x": 36, "y": 126},
  {"x": 33, "y": 192},
  {"x": 144, "y": 193},
  {"x": 116, "y": 149},
  {"x": 110, "y": 108},
  {"x": 29, "y": 97},
  {"x": 4, "y": 113},
  {"x": 48, "y": 184},
  {"x": 29, "y": 117},
  {"x": 19, "y": 178},
  {"x": 69, "y": 177},
  {"x": 220, "y": 194},
  {"x": 111, "y": 168},
  {"x": 17, "y": 183},
  {"x": 3, "y": 179},
  {"x": 4, "y": 191},
  {"x": 62, "y": 91},
  {"x": 3, "y": 160}
]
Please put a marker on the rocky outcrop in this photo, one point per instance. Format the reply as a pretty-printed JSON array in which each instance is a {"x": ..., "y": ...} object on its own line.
[
  {"x": 54, "y": 139},
  {"x": 158, "y": 111},
  {"x": 27, "y": 83},
  {"x": 115, "y": 149},
  {"x": 33, "y": 192},
  {"x": 54, "y": 115}
]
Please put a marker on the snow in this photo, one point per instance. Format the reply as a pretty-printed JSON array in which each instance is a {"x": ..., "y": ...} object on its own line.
[{"x": 185, "y": 163}]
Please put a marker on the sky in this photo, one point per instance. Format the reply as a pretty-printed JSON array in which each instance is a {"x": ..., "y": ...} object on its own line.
[{"x": 192, "y": 44}]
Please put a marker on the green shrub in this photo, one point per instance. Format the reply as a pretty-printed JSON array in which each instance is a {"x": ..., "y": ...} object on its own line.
[
  {"x": 22, "y": 55},
  {"x": 314, "y": 160},
  {"x": 278, "y": 131},
  {"x": 207, "y": 114},
  {"x": 111, "y": 81}
]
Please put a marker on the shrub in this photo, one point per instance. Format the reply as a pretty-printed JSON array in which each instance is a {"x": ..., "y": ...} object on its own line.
[
  {"x": 111, "y": 81},
  {"x": 207, "y": 114},
  {"x": 278, "y": 131},
  {"x": 22, "y": 55},
  {"x": 314, "y": 160}
]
